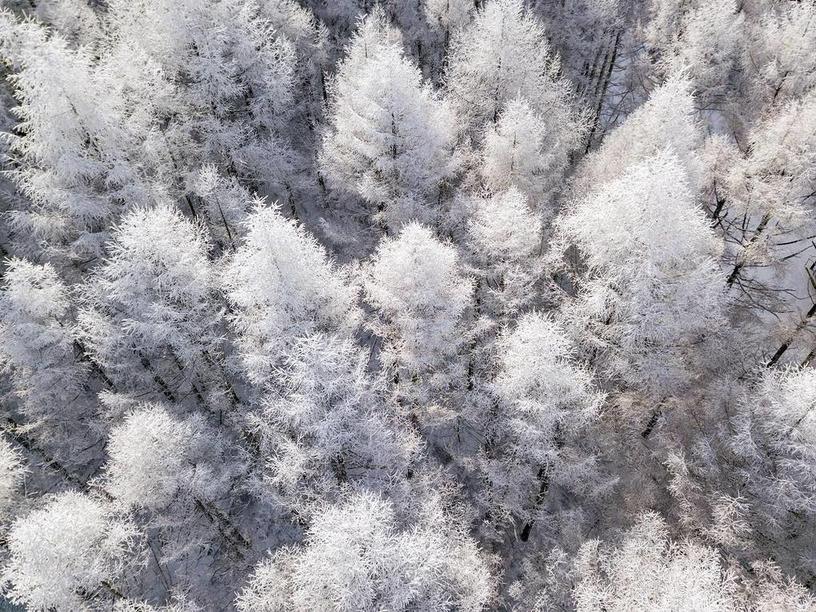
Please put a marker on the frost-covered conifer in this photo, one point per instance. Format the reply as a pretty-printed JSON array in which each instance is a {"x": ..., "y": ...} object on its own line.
[
  {"x": 358, "y": 557},
  {"x": 36, "y": 340},
  {"x": 75, "y": 20},
  {"x": 652, "y": 291},
  {"x": 529, "y": 152},
  {"x": 772, "y": 190},
  {"x": 418, "y": 286},
  {"x": 11, "y": 473},
  {"x": 648, "y": 570},
  {"x": 330, "y": 427},
  {"x": 70, "y": 145},
  {"x": 155, "y": 457},
  {"x": 503, "y": 54},
  {"x": 67, "y": 554},
  {"x": 780, "y": 54},
  {"x": 506, "y": 237},
  {"x": 282, "y": 286},
  {"x": 390, "y": 137},
  {"x": 448, "y": 16},
  {"x": 547, "y": 402},
  {"x": 666, "y": 119},
  {"x": 533, "y": 268},
  {"x": 233, "y": 81},
  {"x": 775, "y": 439},
  {"x": 702, "y": 40},
  {"x": 150, "y": 309}
]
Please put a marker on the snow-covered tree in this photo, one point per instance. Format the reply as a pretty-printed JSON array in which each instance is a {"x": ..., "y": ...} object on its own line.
[
  {"x": 506, "y": 237},
  {"x": 774, "y": 439},
  {"x": 358, "y": 557},
  {"x": 701, "y": 40},
  {"x": 375, "y": 285},
  {"x": 780, "y": 54},
  {"x": 652, "y": 291},
  {"x": 70, "y": 143},
  {"x": 769, "y": 197},
  {"x": 330, "y": 427},
  {"x": 150, "y": 308},
  {"x": 666, "y": 119},
  {"x": 226, "y": 203},
  {"x": 155, "y": 456},
  {"x": 502, "y": 55},
  {"x": 390, "y": 136},
  {"x": 233, "y": 81},
  {"x": 546, "y": 404},
  {"x": 418, "y": 285},
  {"x": 283, "y": 286},
  {"x": 309, "y": 38},
  {"x": 647, "y": 570},
  {"x": 67, "y": 554},
  {"x": 528, "y": 151},
  {"x": 75, "y": 20},
  {"x": 11, "y": 473},
  {"x": 174, "y": 473},
  {"x": 36, "y": 341},
  {"x": 449, "y": 16}
]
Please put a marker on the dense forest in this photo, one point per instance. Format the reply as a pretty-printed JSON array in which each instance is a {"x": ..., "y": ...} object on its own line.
[{"x": 411, "y": 305}]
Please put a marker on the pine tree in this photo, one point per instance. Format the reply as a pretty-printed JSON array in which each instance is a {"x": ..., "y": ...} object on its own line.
[
  {"x": 156, "y": 457},
  {"x": 330, "y": 427},
  {"x": 67, "y": 554},
  {"x": 502, "y": 55},
  {"x": 506, "y": 239},
  {"x": 390, "y": 135},
  {"x": 529, "y": 152},
  {"x": 282, "y": 286},
  {"x": 150, "y": 311},
  {"x": 12, "y": 472},
  {"x": 357, "y": 557},
  {"x": 36, "y": 341},
  {"x": 652, "y": 291},
  {"x": 418, "y": 286},
  {"x": 546, "y": 405}
]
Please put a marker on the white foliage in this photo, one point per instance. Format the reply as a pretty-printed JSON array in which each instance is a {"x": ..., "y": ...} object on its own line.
[
  {"x": 506, "y": 238},
  {"x": 776, "y": 436},
  {"x": 61, "y": 554},
  {"x": 391, "y": 136},
  {"x": 653, "y": 289},
  {"x": 74, "y": 19},
  {"x": 11, "y": 473},
  {"x": 702, "y": 40},
  {"x": 330, "y": 426},
  {"x": 417, "y": 283},
  {"x": 154, "y": 456},
  {"x": 36, "y": 343},
  {"x": 504, "y": 228},
  {"x": 153, "y": 295},
  {"x": 283, "y": 286},
  {"x": 357, "y": 558},
  {"x": 504, "y": 54},
  {"x": 666, "y": 119},
  {"x": 545, "y": 394},
  {"x": 63, "y": 106},
  {"x": 547, "y": 402},
  {"x": 649, "y": 571},
  {"x": 528, "y": 151},
  {"x": 777, "y": 177},
  {"x": 781, "y": 54},
  {"x": 449, "y": 15}
]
